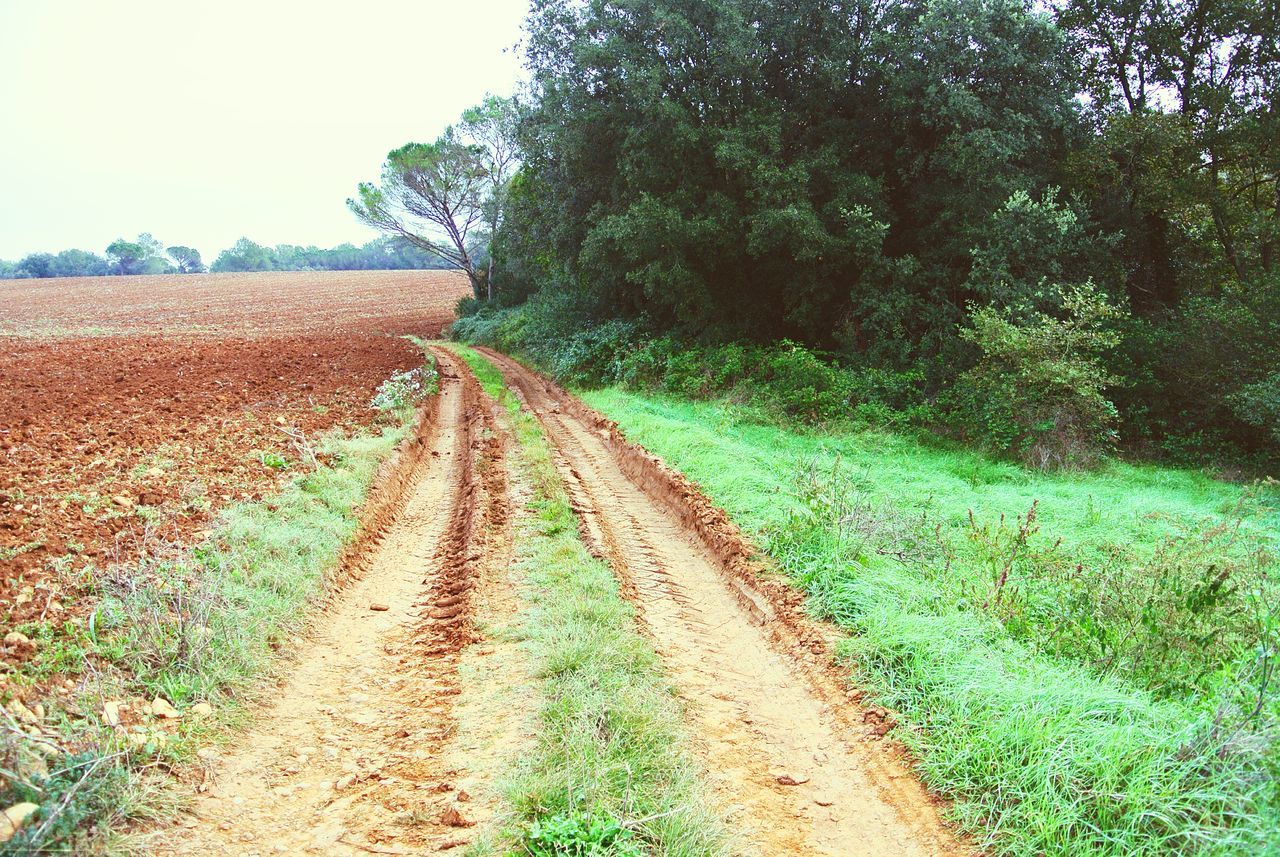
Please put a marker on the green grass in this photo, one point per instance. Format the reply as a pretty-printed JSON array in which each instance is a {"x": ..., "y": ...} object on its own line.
[
  {"x": 609, "y": 753},
  {"x": 1042, "y": 749}
]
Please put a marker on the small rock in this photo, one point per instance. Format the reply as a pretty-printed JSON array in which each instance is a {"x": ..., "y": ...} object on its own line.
[
  {"x": 378, "y": 607},
  {"x": 452, "y": 818},
  {"x": 344, "y": 782},
  {"x": 23, "y": 714},
  {"x": 823, "y": 800},
  {"x": 111, "y": 712},
  {"x": 202, "y": 709},
  {"x": 463, "y": 796},
  {"x": 16, "y": 638},
  {"x": 789, "y": 780},
  {"x": 153, "y": 473},
  {"x": 226, "y": 825},
  {"x": 161, "y": 707},
  {"x": 207, "y": 753},
  {"x": 122, "y": 501},
  {"x": 13, "y": 818}
]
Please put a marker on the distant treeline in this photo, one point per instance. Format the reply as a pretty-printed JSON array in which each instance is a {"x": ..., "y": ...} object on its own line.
[{"x": 146, "y": 255}]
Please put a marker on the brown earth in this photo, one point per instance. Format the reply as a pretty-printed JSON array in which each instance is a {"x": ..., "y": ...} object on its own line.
[
  {"x": 112, "y": 446},
  {"x": 251, "y": 304},
  {"x": 373, "y": 742}
]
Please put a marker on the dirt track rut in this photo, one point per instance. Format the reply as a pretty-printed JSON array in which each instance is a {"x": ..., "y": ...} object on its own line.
[
  {"x": 792, "y": 778},
  {"x": 360, "y": 751}
]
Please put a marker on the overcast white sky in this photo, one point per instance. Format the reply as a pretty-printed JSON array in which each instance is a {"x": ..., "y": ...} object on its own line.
[{"x": 203, "y": 122}]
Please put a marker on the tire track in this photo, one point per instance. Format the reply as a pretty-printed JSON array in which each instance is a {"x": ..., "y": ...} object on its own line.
[
  {"x": 789, "y": 769},
  {"x": 359, "y": 750}
]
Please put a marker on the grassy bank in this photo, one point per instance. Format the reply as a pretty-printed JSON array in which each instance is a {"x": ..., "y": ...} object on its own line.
[
  {"x": 1077, "y": 660},
  {"x": 196, "y": 628},
  {"x": 609, "y": 766}
]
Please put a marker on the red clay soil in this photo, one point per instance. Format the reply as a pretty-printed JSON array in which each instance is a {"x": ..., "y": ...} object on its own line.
[
  {"x": 133, "y": 408},
  {"x": 94, "y": 429}
]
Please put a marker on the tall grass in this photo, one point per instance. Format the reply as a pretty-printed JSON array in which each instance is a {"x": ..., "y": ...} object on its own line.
[
  {"x": 610, "y": 747},
  {"x": 1042, "y": 749}
]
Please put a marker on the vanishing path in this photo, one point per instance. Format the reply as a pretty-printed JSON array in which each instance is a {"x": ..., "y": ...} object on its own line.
[
  {"x": 402, "y": 708},
  {"x": 373, "y": 743},
  {"x": 792, "y": 777}
]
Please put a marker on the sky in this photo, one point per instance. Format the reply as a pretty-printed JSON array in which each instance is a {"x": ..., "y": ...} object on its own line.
[{"x": 204, "y": 122}]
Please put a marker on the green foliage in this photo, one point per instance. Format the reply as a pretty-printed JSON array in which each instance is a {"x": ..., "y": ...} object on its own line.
[
  {"x": 448, "y": 197},
  {"x": 1258, "y": 404},
  {"x": 274, "y": 460},
  {"x": 855, "y": 177},
  {"x": 144, "y": 256},
  {"x": 1028, "y": 248},
  {"x": 683, "y": 172},
  {"x": 574, "y": 836},
  {"x": 186, "y": 258},
  {"x": 786, "y": 379},
  {"x": 244, "y": 255},
  {"x": 1038, "y": 390},
  {"x": 84, "y": 790}
]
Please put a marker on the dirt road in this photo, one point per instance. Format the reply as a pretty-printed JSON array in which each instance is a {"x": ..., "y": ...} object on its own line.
[
  {"x": 792, "y": 774},
  {"x": 360, "y": 750},
  {"x": 395, "y": 723}
]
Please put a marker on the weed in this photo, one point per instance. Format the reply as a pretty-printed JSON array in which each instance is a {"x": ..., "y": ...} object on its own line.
[
  {"x": 274, "y": 460},
  {"x": 575, "y": 836}
]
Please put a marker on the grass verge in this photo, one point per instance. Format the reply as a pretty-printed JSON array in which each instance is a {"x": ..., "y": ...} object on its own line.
[
  {"x": 196, "y": 627},
  {"x": 609, "y": 768},
  {"x": 927, "y": 557}
]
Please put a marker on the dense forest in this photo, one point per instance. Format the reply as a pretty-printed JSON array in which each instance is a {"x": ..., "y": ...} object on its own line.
[
  {"x": 1048, "y": 228},
  {"x": 146, "y": 255}
]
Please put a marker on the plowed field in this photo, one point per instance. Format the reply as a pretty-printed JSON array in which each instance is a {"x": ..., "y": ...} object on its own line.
[{"x": 132, "y": 408}]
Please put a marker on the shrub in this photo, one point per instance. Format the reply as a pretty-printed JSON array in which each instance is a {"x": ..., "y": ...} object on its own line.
[
  {"x": 403, "y": 389},
  {"x": 1258, "y": 404},
  {"x": 1038, "y": 388}
]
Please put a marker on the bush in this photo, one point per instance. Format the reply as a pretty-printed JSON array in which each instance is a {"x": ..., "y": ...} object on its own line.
[
  {"x": 1038, "y": 389},
  {"x": 1203, "y": 386},
  {"x": 786, "y": 379}
]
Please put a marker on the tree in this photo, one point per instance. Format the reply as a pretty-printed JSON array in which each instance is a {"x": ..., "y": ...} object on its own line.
[
  {"x": 186, "y": 258},
  {"x": 1184, "y": 95},
  {"x": 144, "y": 256},
  {"x": 432, "y": 195},
  {"x": 78, "y": 263},
  {"x": 492, "y": 127},
  {"x": 127, "y": 257},
  {"x": 37, "y": 265},
  {"x": 244, "y": 255}
]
